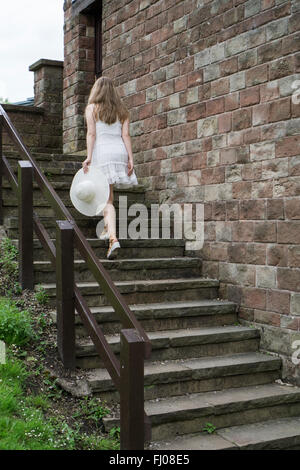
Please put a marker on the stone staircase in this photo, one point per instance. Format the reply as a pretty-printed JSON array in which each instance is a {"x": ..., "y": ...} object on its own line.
[{"x": 205, "y": 367}]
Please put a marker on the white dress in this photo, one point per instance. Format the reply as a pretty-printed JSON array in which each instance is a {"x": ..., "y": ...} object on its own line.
[{"x": 110, "y": 153}]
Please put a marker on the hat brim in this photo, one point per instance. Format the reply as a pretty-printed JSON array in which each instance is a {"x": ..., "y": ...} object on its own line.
[{"x": 99, "y": 201}]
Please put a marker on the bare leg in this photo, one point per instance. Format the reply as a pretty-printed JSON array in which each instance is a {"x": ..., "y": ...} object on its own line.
[{"x": 109, "y": 214}]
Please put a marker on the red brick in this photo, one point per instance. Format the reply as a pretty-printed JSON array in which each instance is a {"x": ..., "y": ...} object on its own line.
[
  {"x": 265, "y": 232},
  {"x": 257, "y": 75},
  {"x": 242, "y": 231},
  {"x": 288, "y": 146},
  {"x": 277, "y": 255},
  {"x": 266, "y": 4},
  {"x": 231, "y": 101},
  {"x": 275, "y": 209},
  {"x": 180, "y": 83},
  {"x": 219, "y": 210},
  {"x": 254, "y": 298},
  {"x": 292, "y": 208},
  {"x": 213, "y": 175},
  {"x": 182, "y": 164},
  {"x": 241, "y": 119},
  {"x": 251, "y": 136},
  {"x": 195, "y": 112},
  {"x": 224, "y": 123},
  {"x": 282, "y": 67},
  {"x": 215, "y": 106},
  {"x": 246, "y": 314},
  {"x": 293, "y": 253},
  {"x": 232, "y": 210},
  {"x": 278, "y": 301},
  {"x": 280, "y": 110},
  {"x": 260, "y": 114},
  {"x": 295, "y": 110},
  {"x": 289, "y": 232},
  {"x": 250, "y": 96},
  {"x": 227, "y": 156},
  {"x": 252, "y": 209},
  {"x": 220, "y": 87},
  {"x": 229, "y": 66},
  {"x": 195, "y": 78},
  {"x": 291, "y": 44},
  {"x": 241, "y": 190},
  {"x": 269, "y": 91},
  {"x": 252, "y": 171},
  {"x": 269, "y": 318},
  {"x": 288, "y": 279},
  {"x": 204, "y": 92}
]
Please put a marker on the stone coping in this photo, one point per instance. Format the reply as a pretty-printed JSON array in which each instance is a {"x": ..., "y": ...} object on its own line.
[
  {"x": 25, "y": 109},
  {"x": 45, "y": 63}
]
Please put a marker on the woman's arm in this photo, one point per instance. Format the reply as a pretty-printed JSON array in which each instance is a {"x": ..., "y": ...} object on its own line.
[
  {"x": 127, "y": 142},
  {"x": 90, "y": 136}
]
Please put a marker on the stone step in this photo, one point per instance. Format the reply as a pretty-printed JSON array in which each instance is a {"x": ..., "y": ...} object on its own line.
[
  {"x": 180, "y": 415},
  {"x": 126, "y": 269},
  {"x": 164, "y": 316},
  {"x": 43, "y": 208},
  {"x": 161, "y": 248},
  {"x": 86, "y": 224},
  {"x": 178, "y": 377},
  {"x": 62, "y": 167},
  {"x": 276, "y": 434},
  {"x": 180, "y": 344},
  {"x": 134, "y": 194},
  {"x": 136, "y": 291},
  {"x": 46, "y": 156}
]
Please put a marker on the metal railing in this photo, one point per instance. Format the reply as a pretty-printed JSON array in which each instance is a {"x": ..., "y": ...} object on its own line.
[{"x": 126, "y": 373}]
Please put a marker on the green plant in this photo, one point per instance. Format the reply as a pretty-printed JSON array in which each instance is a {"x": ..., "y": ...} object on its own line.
[
  {"x": 8, "y": 258},
  {"x": 114, "y": 433},
  {"x": 41, "y": 295},
  {"x": 53, "y": 391},
  {"x": 209, "y": 428},
  {"x": 15, "y": 325},
  {"x": 92, "y": 408}
]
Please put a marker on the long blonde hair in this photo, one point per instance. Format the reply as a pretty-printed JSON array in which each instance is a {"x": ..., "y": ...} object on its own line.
[{"x": 108, "y": 105}]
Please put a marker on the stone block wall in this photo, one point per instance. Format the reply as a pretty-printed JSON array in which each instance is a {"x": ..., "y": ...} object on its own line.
[
  {"x": 211, "y": 89},
  {"x": 40, "y": 126},
  {"x": 79, "y": 76}
]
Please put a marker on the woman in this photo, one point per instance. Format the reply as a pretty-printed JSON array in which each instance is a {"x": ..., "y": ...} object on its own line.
[{"x": 109, "y": 148}]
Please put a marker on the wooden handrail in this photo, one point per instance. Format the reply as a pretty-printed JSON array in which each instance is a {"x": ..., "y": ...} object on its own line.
[
  {"x": 109, "y": 289},
  {"x": 117, "y": 301}
]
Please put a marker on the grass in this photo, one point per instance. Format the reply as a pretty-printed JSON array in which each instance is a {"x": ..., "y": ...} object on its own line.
[
  {"x": 36, "y": 414},
  {"x": 26, "y": 421},
  {"x": 16, "y": 326}
]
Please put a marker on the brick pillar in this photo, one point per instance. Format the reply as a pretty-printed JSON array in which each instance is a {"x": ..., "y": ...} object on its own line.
[
  {"x": 48, "y": 84},
  {"x": 79, "y": 75}
]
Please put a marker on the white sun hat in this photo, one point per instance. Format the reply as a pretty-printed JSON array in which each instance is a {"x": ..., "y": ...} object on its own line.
[{"x": 89, "y": 192}]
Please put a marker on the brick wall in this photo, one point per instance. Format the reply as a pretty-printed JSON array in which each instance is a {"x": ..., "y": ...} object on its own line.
[
  {"x": 40, "y": 126},
  {"x": 33, "y": 125},
  {"x": 79, "y": 76},
  {"x": 209, "y": 86}
]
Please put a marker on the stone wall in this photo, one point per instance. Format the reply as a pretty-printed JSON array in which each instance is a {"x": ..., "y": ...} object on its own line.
[
  {"x": 40, "y": 126},
  {"x": 79, "y": 76},
  {"x": 209, "y": 85}
]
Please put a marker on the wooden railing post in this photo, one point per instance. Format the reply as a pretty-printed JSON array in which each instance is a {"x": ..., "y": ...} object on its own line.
[
  {"x": 25, "y": 209},
  {"x": 132, "y": 391},
  {"x": 1, "y": 170},
  {"x": 65, "y": 303}
]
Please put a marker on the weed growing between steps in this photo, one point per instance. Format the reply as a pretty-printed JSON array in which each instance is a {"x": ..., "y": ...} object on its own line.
[{"x": 34, "y": 412}]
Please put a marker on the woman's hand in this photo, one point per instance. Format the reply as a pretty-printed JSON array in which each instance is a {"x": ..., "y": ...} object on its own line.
[
  {"x": 130, "y": 166},
  {"x": 85, "y": 164}
]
